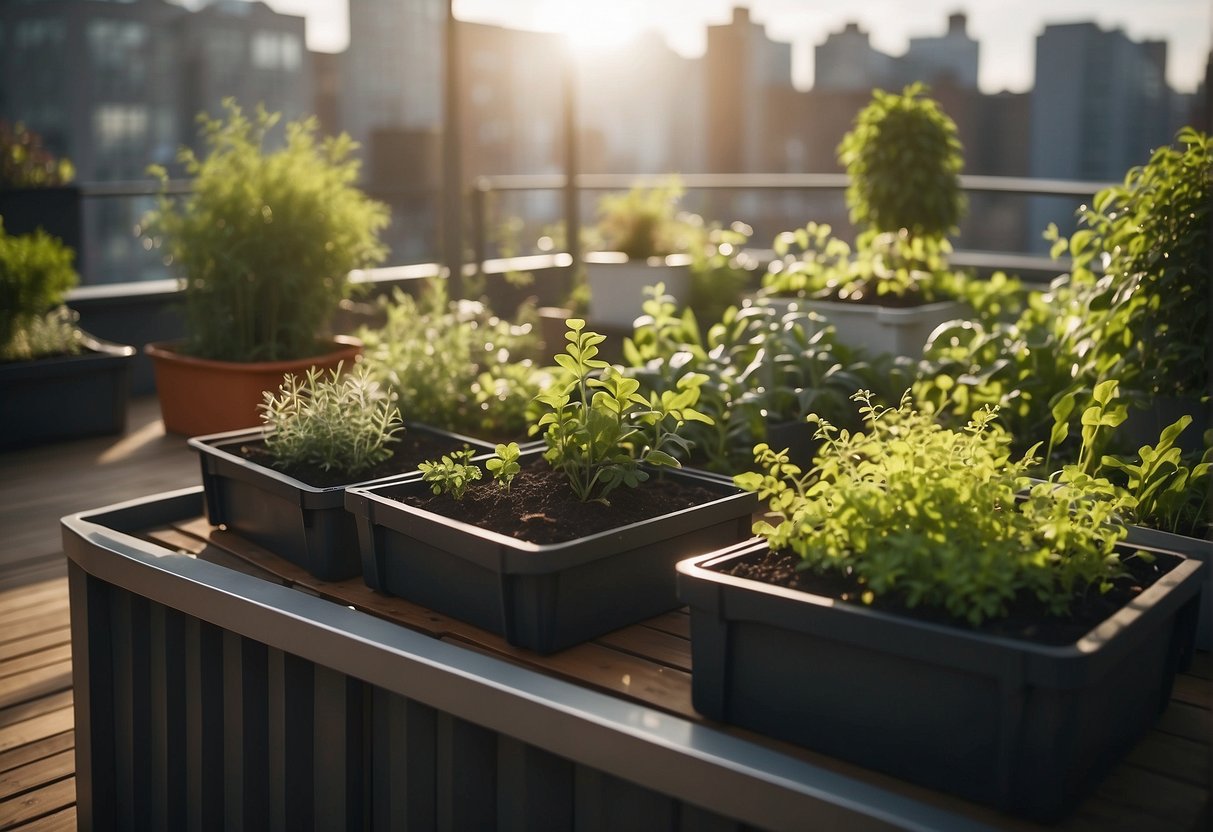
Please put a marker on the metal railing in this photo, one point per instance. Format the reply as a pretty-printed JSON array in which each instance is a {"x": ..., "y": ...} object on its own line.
[{"x": 421, "y": 219}]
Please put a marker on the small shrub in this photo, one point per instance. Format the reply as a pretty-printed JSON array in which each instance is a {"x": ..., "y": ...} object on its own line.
[
  {"x": 26, "y": 163},
  {"x": 345, "y": 423},
  {"x": 265, "y": 240},
  {"x": 36, "y": 273}
]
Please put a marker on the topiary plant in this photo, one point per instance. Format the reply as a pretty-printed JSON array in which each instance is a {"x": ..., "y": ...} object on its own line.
[
  {"x": 35, "y": 275},
  {"x": 266, "y": 239},
  {"x": 904, "y": 158}
]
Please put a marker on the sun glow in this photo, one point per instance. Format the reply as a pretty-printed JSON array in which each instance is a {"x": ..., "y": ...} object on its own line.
[{"x": 592, "y": 27}]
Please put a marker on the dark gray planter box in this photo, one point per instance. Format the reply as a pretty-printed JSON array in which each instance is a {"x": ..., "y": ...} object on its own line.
[
  {"x": 305, "y": 524},
  {"x": 1189, "y": 547},
  {"x": 66, "y": 397},
  {"x": 542, "y": 597},
  {"x": 1025, "y": 727}
]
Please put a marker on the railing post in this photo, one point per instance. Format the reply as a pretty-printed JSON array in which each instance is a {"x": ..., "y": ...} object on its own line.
[
  {"x": 452, "y": 174},
  {"x": 480, "y": 216},
  {"x": 572, "y": 215}
]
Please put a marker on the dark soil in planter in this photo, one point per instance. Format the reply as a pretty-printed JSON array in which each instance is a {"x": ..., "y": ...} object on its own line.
[
  {"x": 540, "y": 507},
  {"x": 1028, "y": 618},
  {"x": 408, "y": 453}
]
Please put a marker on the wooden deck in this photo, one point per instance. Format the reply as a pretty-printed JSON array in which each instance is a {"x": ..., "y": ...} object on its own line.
[
  {"x": 37, "y": 487},
  {"x": 1163, "y": 785}
]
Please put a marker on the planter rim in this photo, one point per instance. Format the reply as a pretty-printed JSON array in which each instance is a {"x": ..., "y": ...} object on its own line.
[
  {"x": 1096, "y": 640},
  {"x": 366, "y": 501},
  {"x": 344, "y": 345},
  {"x": 619, "y": 258},
  {"x": 807, "y": 304},
  {"x": 215, "y": 445},
  {"x": 94, "y": 348}
]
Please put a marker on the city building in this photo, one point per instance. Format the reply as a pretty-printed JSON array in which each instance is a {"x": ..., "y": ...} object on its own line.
[{"x": 1105, "y": 107}]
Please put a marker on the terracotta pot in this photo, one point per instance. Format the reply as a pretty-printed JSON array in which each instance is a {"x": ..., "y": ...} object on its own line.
[{"x": 200, "y": 396}]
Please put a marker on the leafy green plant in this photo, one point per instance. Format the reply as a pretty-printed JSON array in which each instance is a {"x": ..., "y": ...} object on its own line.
[
  {"x": 454, "y": 364},
  {"x": 644, "y": 221},
  {"x": 761, "y": 370},
  {"x": 903, "y": 157},
  {"x": 26, "y": 163},
  {"x": 265, "y": 239},
  {"x": 600, "y": 431},
  {"x": 452, "y": 474},
  {"x": 813, "y": 263},
  {"x": 1149, "y": 236},
  {"x": 907, "y": 506},
  {"x": 339, "y": 422},
  {"x": 1059, "y": 344},
  {"x": 503, "y": 465},
  {"x": 1155, "y": 487},
  {"x": 36, "y": 273}
]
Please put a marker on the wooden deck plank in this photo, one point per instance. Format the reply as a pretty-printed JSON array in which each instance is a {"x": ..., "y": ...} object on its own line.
[
  {"x": 37, "y": 682},
  {"x": 37, "y": 773},
  {"x": 31, "y": 595},
  {"x": 11, "y": 620},
  {"x": 32, "y": 661},
  {"x": 62, "y": 821},
  {"x": 31, "y": 752},
  {"x": 36, "y": 728},
  {"x": 1193, "y": 691},
  {"x": 39, "y": 641},
  {"x": 41, "y": 802},
  {"x": 41, "y": 623},
  {"x": 35, "y": 707}
]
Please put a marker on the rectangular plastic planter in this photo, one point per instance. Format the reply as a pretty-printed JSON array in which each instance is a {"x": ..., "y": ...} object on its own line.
[
  {"x": 303, "y": 523},
  {"x": 1025, "y": 727},
  {"x": 1189, "y": 547},
  {"x": 874, "y": 328},
  {"x": 66, "y": 397},
  {"x": 542, "y": 597}
]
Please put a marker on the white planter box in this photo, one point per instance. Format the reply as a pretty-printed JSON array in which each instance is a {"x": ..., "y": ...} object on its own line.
[
  {"x": 617, "y": 285},
  {"x": 876, "y": 329}
]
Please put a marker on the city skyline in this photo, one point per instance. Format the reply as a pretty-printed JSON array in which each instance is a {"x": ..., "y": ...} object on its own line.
[{"x": 1006, "y": 29}]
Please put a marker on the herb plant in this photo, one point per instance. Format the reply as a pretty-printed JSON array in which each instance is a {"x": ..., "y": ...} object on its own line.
[
  {"x": 1155, "y": 487},
  {"x": 452, "y": 474},
  {"x": 35, "y": 275},
  {"x": 761, "y": 370},
  {"x": 344, "y": 423},
  {"x": 599, "y": 430},
  {"x": 907, "y": 506},
  {"x": 455, "y": 365},
  {"x": 503, "y": 465},
  {"x": 1150, "y": 239},
  {"x": 265, "y": 240}
]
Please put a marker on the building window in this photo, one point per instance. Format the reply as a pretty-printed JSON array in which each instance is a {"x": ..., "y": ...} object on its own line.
[
  {"x": 38, "y": 34},
  {"x": 277, "y": 50},
  {"x": 116, "y": 53}
]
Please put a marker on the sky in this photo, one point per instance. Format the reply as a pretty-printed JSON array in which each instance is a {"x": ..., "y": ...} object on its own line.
[{"x": 1006, "y": 29}]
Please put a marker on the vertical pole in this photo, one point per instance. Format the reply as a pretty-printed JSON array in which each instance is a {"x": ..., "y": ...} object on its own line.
[
  {"x": 572, "y": 214},
  {"x": 452, "y": 175},
  {"x": 480, "y": 213}
]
